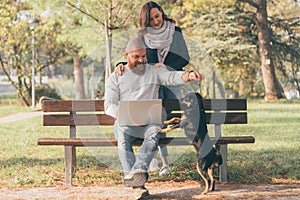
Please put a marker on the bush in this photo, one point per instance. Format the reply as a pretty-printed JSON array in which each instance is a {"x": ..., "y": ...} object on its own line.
[{"x": 47, "y": 91}]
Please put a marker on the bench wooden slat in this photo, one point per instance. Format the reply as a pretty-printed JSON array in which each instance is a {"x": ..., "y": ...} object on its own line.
[
  {"x": 78, "y": 120},
  {"x": 225, "y": 104},
  {"x": 170, "y": 104},
  {"x": 102, "y": 119},
  {"x": 73, "y": 105},
  {"x": 211, "y": 104},
  {"x": 171, "y": 141}
]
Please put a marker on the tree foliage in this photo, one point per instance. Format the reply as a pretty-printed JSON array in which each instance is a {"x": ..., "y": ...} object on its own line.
[
  {"x": 285, "y": 23},
  {"x": 225, "y": 33},
  {"x": 222, "y": 37},
  {"x": 73, "y": 31},
  {"x": 109, "y": 15},
  {"x": 16, "y": 46},
  {"x": 229, "y": 33}
]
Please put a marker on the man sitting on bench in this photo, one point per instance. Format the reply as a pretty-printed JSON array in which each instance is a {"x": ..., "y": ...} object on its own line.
[{"x": 139, "y": 81}]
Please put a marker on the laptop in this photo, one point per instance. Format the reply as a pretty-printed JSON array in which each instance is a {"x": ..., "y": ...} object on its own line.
[{"x": 140, "y": 112}]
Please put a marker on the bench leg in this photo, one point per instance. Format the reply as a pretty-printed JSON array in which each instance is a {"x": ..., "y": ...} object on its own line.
[
  {"x": 70, "y": 164},
  {"x": 223, "y": 167}
]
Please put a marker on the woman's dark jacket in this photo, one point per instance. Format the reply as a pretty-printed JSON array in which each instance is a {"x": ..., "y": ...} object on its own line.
[{"x": 178, "y": 55}]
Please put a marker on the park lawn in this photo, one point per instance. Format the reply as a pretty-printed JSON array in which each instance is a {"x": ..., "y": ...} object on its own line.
[
  {"x": 275, "y": 154},
  {"x": 272, "y": 158}
]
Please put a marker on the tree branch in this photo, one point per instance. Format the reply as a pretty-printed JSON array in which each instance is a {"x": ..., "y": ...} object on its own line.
[
  {"x": 84, "y": 12},
  {"x": 251, "y": 2},
  {"x": 7, "y": 74}
]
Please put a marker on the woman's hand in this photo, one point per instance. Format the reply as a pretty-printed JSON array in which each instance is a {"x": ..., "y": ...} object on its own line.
[{"x": 119, "y": 69}]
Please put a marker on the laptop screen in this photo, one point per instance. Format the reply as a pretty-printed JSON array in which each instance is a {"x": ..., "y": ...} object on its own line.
[{"x": 140, "y": 112}]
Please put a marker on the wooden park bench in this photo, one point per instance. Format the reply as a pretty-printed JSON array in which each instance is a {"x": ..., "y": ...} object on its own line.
[{"x": 75, "y": 113}]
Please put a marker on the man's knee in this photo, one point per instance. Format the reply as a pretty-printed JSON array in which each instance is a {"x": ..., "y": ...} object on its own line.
[{"x": 152, "y": 130}]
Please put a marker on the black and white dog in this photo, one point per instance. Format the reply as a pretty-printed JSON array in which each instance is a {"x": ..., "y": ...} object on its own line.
[{"x": 193, "y": 121}]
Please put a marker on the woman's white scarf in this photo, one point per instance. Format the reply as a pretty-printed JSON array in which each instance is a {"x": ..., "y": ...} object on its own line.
[{"x": 160, "y": 39}]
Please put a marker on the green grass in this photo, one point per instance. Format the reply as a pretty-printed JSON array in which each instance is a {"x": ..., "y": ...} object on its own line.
[
  {"x": 274, "y": 155},
  {"x": 10, "y": 105}
]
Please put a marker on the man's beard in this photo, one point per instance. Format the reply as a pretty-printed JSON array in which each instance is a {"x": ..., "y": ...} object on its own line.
[{"x": 139, "y": 68}]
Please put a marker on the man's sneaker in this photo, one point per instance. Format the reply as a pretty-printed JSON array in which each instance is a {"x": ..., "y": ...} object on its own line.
[
  {"x": 153, "y": 167},
  {"x": 164, "y": 170},
  {"x": 140, "y": 192},
  {"x": 136, "y": 179}
]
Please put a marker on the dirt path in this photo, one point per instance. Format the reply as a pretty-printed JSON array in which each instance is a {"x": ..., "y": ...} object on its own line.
[
  {"x": 161, "y": 190},
  {"x": 20, "y": 116}
]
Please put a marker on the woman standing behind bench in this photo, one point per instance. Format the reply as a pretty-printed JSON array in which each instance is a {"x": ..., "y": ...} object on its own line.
[{"x": 166, "y": 46}]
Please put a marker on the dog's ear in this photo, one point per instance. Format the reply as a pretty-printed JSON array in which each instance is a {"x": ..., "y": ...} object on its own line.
[
  {"x": 219, "y": 158},
  {"x": 198, "y": 96}
]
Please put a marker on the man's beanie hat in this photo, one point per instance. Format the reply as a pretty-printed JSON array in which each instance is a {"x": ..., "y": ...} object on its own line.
[{"x": 134, "y": 44}]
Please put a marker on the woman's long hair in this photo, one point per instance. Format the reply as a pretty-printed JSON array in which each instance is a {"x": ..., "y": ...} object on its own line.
[{"x": 144, "y": 18}]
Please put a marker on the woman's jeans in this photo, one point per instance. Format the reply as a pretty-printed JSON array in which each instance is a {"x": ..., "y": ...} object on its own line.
[{"x": 125, "y": 135}]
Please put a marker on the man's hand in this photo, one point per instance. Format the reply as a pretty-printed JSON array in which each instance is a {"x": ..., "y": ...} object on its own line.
[
  {"x": 192, "y": 76},
  {"x": 195, "y": 76}
]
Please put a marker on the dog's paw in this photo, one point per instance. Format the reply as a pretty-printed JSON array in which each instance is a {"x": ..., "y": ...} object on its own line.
[
  {"x": 172, "y": 121},
  {"x": 165, "y": 130},
  {"x": 204, "y": 192}
]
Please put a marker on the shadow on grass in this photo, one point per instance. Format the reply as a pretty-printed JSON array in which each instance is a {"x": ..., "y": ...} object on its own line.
[
  {"x": 249, "y": 167},
  {"x": 177, "y": 194},
  {"x": 81, "y": 161},
  {"x": 29, "y": 162},
  {"x": 232, "y": 191}
]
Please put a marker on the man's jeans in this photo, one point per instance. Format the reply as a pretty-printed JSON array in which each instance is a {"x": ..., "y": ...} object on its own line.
[{"x": 125, "y": 135}]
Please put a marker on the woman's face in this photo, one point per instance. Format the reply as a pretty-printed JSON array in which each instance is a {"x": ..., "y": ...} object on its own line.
[{"x": 156, "y": 20}]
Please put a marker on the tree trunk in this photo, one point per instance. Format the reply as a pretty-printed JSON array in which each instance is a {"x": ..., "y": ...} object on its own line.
[
  {"x": 273, "y": 90},
  {"x": 16, "y": 85},
  {"x": 241, "y": 88},
  {"x": 108, "y": 52},
  {"x": 79, "y": 79}
]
